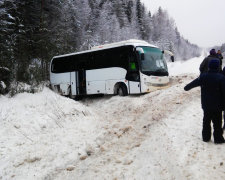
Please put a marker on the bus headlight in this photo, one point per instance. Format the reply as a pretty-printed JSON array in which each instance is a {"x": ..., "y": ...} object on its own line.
[{"x": 147, "y": 83}]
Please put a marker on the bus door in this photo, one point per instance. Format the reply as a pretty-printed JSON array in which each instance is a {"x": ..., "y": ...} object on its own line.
[
  {"x": 134, "y": 84},
  {"x": 81, "y": 82},
  {"x": 133, "y": 75}
]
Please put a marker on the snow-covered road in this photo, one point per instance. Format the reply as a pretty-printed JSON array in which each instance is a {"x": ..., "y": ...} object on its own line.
[{"x": 154, "y": 136}]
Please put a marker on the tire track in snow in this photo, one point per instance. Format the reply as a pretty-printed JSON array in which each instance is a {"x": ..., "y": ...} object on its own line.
[{"x": 127, "y": 121}]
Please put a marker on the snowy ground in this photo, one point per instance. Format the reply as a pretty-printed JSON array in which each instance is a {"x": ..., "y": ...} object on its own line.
[{"x": 154, "y": 136}]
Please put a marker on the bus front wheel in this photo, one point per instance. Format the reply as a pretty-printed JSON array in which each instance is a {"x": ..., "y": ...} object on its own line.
[{"x": 122, "y": 91}]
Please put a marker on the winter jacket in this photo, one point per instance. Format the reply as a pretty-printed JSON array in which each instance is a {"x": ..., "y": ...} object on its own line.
[
  {"x": 212, "y": 90},
  {"x": 220, "y": 56},
  {"x": 204, "y": 65}
]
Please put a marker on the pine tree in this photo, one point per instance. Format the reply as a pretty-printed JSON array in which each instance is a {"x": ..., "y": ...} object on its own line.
[
  {"x": 129, "y": 9},
  {"x": 7, "y": 24},
  {"x": 140, "y": 17},
  {"x": 32, "y": 32}
]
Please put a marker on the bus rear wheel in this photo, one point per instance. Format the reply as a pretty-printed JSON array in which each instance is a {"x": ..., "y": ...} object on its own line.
[{"x": 122, "y": 91}]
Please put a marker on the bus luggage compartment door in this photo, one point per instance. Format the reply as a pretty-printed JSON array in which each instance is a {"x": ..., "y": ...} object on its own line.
[
  {"x": 134, "y": 87},
  {"x": 95, "y": 80}
]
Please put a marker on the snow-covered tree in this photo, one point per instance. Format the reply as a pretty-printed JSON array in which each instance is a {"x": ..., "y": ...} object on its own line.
[{"x": 32, "y": 32}]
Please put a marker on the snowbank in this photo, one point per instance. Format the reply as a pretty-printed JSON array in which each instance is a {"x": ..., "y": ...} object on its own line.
[
  {"x": 43, "y": 132},
  {"x": 185, "y": 67}
]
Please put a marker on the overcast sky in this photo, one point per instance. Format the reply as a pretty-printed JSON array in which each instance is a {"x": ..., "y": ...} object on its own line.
[{"x": 202, "y": 22}]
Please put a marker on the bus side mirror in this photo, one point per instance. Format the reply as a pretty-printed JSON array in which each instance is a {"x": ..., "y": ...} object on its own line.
[{"x": 141, "y": 52}]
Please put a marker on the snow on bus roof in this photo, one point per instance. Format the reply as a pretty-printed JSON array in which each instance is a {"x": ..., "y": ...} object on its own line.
[
  {"x": 134, "y": 42},
  {"x": 121, "y": 43}
]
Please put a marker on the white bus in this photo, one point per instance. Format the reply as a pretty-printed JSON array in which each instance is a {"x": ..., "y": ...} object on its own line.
[{"x": 126, "y": 67}]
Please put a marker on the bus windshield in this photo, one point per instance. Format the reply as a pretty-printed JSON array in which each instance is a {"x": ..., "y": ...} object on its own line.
[{"x": 153, "y": 62}]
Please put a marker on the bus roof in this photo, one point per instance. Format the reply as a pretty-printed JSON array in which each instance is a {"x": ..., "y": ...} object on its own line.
[
  {"x": 123, "y": 43},
  {"x": 133, "y": 42}
]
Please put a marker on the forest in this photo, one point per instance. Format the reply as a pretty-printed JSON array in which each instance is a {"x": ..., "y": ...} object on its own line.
[{"x": 32, "y": 32}]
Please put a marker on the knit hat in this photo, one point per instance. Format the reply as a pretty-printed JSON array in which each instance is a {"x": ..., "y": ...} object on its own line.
[
  {"x": 212, "y": 52},
  {"x": 214, "y": 64}
]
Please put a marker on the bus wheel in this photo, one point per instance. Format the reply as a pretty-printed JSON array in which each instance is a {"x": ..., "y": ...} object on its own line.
[{"x": 122, "y": 91}]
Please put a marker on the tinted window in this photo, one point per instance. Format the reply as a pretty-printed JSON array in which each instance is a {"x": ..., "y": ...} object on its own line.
[
  {"x": 153, "y": 62},
  {"x": 114, "y": 57}
]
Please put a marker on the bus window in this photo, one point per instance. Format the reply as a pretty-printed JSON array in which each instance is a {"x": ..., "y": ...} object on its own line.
[
  {"x": 133, "y": 72},
  {"x": 133, "y": 66},
  {"x": 154, "y": 62}
]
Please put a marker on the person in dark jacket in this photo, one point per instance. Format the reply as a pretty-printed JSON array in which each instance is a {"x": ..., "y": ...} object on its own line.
[
  {"x": 220, "y": 57},
  {"x": 212, "y": 86},
  {"x": 172, "y": 58},
  {"x": 223, "y": 72},
  {"x": 204, "y": 65}
]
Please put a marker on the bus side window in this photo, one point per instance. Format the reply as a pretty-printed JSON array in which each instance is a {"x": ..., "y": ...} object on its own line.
[{"x": 132, "y": 66}]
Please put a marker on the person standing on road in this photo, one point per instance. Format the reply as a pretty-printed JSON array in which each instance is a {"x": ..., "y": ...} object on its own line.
[
  {"x": 204, "y": 65},
  {"x": 224, "y": 105},
  {"x": 212, "y": 85},
  {"x": 219, "y": 55}
]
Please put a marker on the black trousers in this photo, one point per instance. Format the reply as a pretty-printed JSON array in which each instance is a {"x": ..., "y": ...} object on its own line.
[
  {"x": 223, "y": 119},
  {"x": 216, "y": 118}
]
